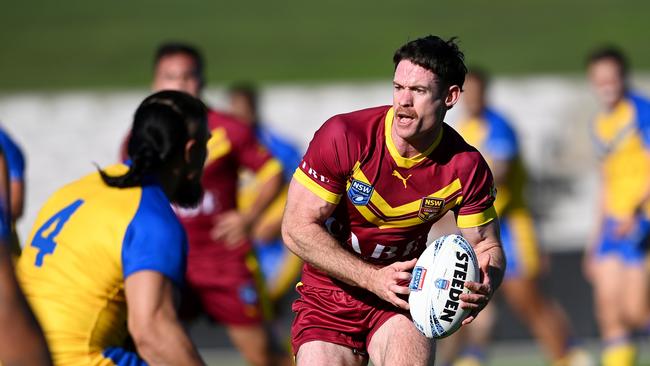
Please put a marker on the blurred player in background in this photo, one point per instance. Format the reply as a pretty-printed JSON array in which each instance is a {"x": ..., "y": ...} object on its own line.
[
  {"x": 107, "y": 254},
  {"x": 222, "y": 272},
  {"x": 360, "y": 207},
  {"x": 16, "y": 166},
  {"x": 616, "y": 257},
  {"x": 279, "y": 266},
  {"x": 495, "y": 138},
  {"x": 21, "y": 339}
]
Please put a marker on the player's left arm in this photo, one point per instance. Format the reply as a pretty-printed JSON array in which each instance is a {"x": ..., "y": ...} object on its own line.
[
  {"x": 233, "y": 226},
  {"x": 486, "y": 242}
]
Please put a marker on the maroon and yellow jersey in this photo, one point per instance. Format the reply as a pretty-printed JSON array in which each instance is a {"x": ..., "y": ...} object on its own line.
[
  {"x": 233, "y": 145},
  {"x": 386, "y": 203}
]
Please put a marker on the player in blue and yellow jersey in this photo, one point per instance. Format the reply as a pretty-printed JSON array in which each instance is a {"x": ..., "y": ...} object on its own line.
[
  {"x": 106, "y": 252},
  {"x": 495, "y": 138},
  {"x": 21, "y": 340},
  {"x": 616, "y": 257},
  {"x": 16, "y": 167}
]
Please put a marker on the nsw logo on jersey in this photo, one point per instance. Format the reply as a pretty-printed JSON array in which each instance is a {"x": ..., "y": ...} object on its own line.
[
  {"x": 430, "y": 207},
  {"x": 360, "y": 192}
]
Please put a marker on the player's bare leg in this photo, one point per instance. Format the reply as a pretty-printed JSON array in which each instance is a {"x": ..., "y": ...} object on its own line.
[
  {"x": 253, "y": 344},
  {"x": 635, "y": 301},
  {"x": 319, "y": 353},
  {"x": 544, "y": 318},
  {"x": 608, "y": 291},
  {"x": 397, "y": 342}
]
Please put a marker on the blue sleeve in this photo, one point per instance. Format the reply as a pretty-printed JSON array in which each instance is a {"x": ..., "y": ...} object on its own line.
[
  {"x": 502, "y": 140},
  {"x": 155, "y": 240},
  {"x": 642, "y": 109},
  {"x": 282, "y": 150},
  {"x": 13, "y": 155}
]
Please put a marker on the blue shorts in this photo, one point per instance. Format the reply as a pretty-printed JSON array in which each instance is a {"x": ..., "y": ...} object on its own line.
[
  {"x": 631, "y": 249},
  {"x": 519, "y": 245},
  {"x": 121, "y": 357}
]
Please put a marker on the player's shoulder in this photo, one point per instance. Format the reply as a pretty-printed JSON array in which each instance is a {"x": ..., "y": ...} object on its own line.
[
  {"x": 356, "y": 124},
  {"x": 456, "y": 152},
  {"x": 155, "y": 214}
]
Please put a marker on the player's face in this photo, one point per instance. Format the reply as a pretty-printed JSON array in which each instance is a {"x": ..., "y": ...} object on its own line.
[
  {"x": 241, "y": 108},
  {"x": 419, "y": 101},
  {"x": 190, "y": 191},
  {"x": 177, "y": 72},
  {"x": 473, "y": 96},
  {"x": 607, "y": 81}
]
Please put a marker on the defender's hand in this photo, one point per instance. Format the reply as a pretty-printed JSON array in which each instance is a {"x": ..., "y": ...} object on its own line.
[
  {"x": 385, "y": 282},
  {"x": 481, "y": 292},
  {"x": 230, "y": 227}
]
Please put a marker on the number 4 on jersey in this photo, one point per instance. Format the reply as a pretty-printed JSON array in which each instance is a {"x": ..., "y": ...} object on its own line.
[{"x": 44, "y": 237}]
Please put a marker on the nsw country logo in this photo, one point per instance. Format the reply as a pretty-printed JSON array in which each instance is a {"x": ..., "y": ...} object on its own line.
[
  {"x": 360, "y": 192},
  {"x": 430, "y": 207},
  {"x": 442, "y": 284}
]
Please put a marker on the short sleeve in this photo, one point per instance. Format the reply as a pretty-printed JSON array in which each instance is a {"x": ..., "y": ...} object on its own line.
[
  {"x": 155, "y": 240},
  {"x": 642, "y": 110},
  {"x": 327, "y": 163},
  {"x": 14, "y": 157},
  {"x": 479, "y": 193},
  {"x": 502, "y": 140}
]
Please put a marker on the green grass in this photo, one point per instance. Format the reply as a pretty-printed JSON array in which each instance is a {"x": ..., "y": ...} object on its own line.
[{"x": 91, "y": 44}]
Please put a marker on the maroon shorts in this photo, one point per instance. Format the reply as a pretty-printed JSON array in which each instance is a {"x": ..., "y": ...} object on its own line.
[
  {"x": 230, "y": 292},
  {"x": 347, "y": 318}
]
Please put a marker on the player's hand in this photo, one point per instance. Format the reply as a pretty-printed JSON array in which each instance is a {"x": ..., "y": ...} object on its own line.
[
  {"x": 230, "y": 227},
  {"x": 481, "y": 292},
  {"x": 385, "y": 282}
]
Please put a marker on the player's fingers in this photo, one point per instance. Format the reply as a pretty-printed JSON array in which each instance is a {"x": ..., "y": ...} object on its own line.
[
  {"x": 468, "y": 320},
  {"x": 399, "y": 289},
  {"x": 480, "y": 288},
  {"x": 402, "y": 276},
  {"x": 395, "y": 300},
  {"x": 403, "y": 266}
]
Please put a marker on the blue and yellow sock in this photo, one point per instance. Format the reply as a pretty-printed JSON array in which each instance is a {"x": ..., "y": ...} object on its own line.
[{"x": 619, "y": 352}]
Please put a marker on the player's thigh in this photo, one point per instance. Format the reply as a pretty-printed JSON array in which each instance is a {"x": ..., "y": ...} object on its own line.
[
  {"x": 607, "y": 280},
  {"x": 397, "y": 342},
  {"x": 635, "y": 300},
  {"x": 319, "y": 353}
]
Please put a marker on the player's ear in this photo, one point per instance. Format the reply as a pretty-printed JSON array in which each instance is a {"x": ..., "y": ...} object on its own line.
[{"x": 453, "y": 95}]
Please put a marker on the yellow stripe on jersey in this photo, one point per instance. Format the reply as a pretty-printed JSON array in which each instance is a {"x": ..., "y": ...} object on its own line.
[
  {"x": 268, "y": 170},
  {"x": 412, "y": 207},
  {"x": 218, "y": 145},
  {"x": 477, "y": 219},
  {"x": 321, "y": 192},
  {"x": 401, "y": 161}
]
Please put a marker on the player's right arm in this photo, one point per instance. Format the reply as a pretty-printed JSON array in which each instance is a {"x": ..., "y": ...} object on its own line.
[
  {"x": 314, "y": 193},
  {"x": 156, "y": 331},
  {"x": 304, "y": 234},
  {"x": 21, "y": 340}
]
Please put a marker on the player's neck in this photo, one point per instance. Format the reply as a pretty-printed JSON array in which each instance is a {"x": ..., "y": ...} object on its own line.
[{"x": 409, "y": 148}]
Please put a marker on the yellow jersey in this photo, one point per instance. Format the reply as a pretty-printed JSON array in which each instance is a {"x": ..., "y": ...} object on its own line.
[{"x": 87, "y": 238}]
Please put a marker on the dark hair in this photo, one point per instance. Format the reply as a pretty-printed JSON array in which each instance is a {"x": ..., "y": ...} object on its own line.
[
  {"x": 441, "y": 57},
  {"x": 247, "y": 90},
  {"x": 610, "y": 53},
  {"x": 162, "y": 125},
  {"x": 175, "y": 48}
]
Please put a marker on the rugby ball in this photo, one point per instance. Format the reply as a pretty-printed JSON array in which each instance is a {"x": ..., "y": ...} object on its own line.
[{"x": 437, "y": 282}]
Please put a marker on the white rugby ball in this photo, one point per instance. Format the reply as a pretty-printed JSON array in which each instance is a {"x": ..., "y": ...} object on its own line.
[{"x": 438, "y": 281}]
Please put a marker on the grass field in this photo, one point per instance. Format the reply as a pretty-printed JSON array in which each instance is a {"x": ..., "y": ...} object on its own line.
[{"x": 51, "y": 45}]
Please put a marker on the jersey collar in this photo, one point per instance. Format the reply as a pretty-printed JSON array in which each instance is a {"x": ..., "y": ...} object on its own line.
[{"x": 401, "y": 161}]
